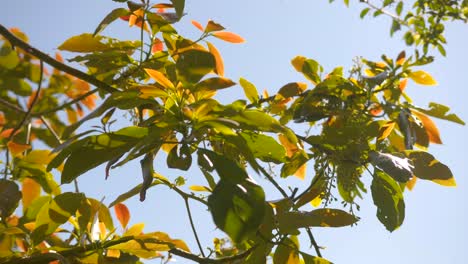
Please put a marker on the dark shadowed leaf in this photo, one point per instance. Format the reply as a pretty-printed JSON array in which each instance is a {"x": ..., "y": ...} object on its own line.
[
  {"x": 193, "y": 64},
  {"x": 113, "y": 15},
  {"x": 10, "y": 196},
  {"x": 388, "y": 198},
  {"x": 398, "y": 168},
  {"x": 428, "y": 168}
]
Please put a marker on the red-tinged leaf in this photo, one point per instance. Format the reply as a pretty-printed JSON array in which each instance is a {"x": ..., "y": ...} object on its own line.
[
  {"x": 135, "y": 16},
  {"x": 17, "y": 149},
  {"x": 160, "y": 78},
  {"x": 300, "y": 173},
  {"x": 213, "y": 26},
  {"x": 163, "y": 5},
  {"x": 72, "y": 116},
  {"x": 198, "y": 25},
  {"x": 30, "y": 191},
  {"x": 7, "y": 133},
  {"x": 219, "y": 60},
  {"x": 402, "y": 84},
  {"x": 430, "y": 127},
  {"x": 157, "y": 46},
  {"x": 58, "y": 57},
  {"x": 376, "y": 110},
  {"x": 228, "y": 36},
  {"x": 125, "y": 18},
  {"x": 122, "y": 213}
]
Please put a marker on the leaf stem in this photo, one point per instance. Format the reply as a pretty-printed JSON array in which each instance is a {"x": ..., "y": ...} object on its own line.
[{"x": 187, "y": 206}]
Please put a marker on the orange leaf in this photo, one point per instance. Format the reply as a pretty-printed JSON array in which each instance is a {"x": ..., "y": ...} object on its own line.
[
  {"x": 376, "y": 110},
  {"x": 300, "y": 173},
  {"x": 162, "y": 5},
  {"x": 122, "y": 213},
  {"x": 430, "y": 127},
  {"x": 58, "y": 57},
  {"x": 410, "y": 184},
  {"x": 31, "y": 190},
  {"x": 157, "y": 46},
  {"x": 198, "y": 25},
  {"x": 386, "y": 129},
  {"x": 17, "y": 149},
  {"x": 135, "y": 16},
  {"x": 72, "y": 116},
  {"x": 290, "y": 147},
  {"x": 7, "y": 133},
  {"x": 229, "y": 36},
  {"x": 401, "y": 58},
  {"x": 218, "y": 59},
  {"x": 402, "y": 84},
  {"x": 125, "y": 18},
  {"x": 160, "y": 78}
]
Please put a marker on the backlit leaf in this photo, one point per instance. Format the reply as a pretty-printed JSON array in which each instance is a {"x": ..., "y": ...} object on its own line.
[
  {"x": 160, "y": 78},
  {"x": 213, "y": 26},
  {"x": 197, "y": 25},
  {"x": 30, "y": 191},
  {"x": 429, "y": 126},
  {"x": 198, "y": 188},
  {"x": 135, "y": 230},
  {"x": 83, "y": 43},
  {"x": 17, "y": 149},
  {"x": 422, "y": 77},
  {"x": 228, "y": 36},
  {"x": 325, "y": 217},
  {"x": 213, "y": 84},
  {"x": 122, "y": 213},
  {"x": 219, "y": 60},
  {"x": 441, "y": 111},
  {"x": 249, "y": 89}
]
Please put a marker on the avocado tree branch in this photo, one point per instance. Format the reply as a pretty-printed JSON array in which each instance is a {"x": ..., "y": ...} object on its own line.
[{"x": 15, "y": 41}]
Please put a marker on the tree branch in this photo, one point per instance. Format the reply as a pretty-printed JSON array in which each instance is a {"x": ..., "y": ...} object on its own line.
[
  {"x": 187, "y": 206},
  {"x": 54, "y": 63}
]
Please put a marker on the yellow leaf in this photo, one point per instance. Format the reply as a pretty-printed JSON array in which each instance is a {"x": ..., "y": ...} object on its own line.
[
  {"x": 83, "y": 43},
  {"x": 290, "y": 147},
  {"x": 30, "y": 191},
  {"x": 142, "y": 250},
  {"x": 228, "y": 36},
  {"x": 386, "y": 129},
  {"x": 380, "y": 64},
  {"x": 39, "y": 156},
  {"x": 135, "y": 230},
  {"x": 422, "y": 77},
  {"x": 122, "y": 213},
  {"x": 369, "y": 72},
  {"x": 449, "y": 182},
  {"x": 218, "y": 59},
  {"x": 198, "y": 188},
  {"x": 430, "y": 127},
  {"x": 17, "y": 149},
  {"x": 316, "y": 201},
  {"x": 298, "y": 62},
  {"x": 113, "y": 253},
  {"x": 148, "y": 91},
  {"x": 160, "y": 78}
]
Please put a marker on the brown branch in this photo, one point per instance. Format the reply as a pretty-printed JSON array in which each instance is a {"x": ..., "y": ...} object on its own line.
[
  {"x": 313, "y": 242},
  {"x": 54, "y": 63},
  {"x": 11, "y": 106},
  {"x": 230, "y": 259},
  {"x": 65, "y": 105}
]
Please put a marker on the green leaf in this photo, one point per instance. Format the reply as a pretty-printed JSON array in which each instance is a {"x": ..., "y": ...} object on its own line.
[
  {"x": 38, "y": 172},
  {"x": 65, "y": 205},
  {"x": 102, "y": 212},
  {"x": 113, "y": 15},
  {"x": 10, "y": 196},
  {"x": 227, "y": 169},
  {"x": 428, "y": 168},
  {"x": 364, "y": 12},
  {"x": 399, "y": 8},
  {"x": 250, "y": 90},
  {"x": 309, "y": 259},
  {"x": 8, "y": 58},
  {"x": 193, "y": 64},
  {"x": 309, "y": 67},
  {"x": 441, "y": 111},
  {"x": 179, "y": 7},
  {"x": 35, "y": 206},
  {"x": 295, "y": 162},
  {"x": 17, "y": 86},
  {"x": 181, "y": 160},
  {"x": 258, "y": 120},
  {"x": 325, "y": 217},
  {"x": 213, "y": 84},
  {"x": 287, "y": 251},
  {"x": 264, "y": 147},
  {"x": 398, "y": 168},
  {"x": 100, "y": 149},
  {"x": 237, "y": 209},
  {"x": 292, "y": 89},
  {"x": 388, "y": 198}
]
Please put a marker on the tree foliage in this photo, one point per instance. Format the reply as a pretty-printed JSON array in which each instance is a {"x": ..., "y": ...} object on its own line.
[{"x": 359, "y": 125}]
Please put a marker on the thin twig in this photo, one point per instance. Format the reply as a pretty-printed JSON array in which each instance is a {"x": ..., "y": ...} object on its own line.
[
  {"x": 15, "y": 41},
  {"x": 11, "y": 106},
  {"x": 313, "y": 242},
  {"x": 49, "y": 127},
  {"x": 270, "y": 179},
  {"x": 65, "y": 105},
  {"x": 187, "y": 206}
]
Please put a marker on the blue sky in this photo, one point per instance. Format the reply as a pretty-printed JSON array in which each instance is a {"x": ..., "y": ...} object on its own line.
[{"x": 435, "y": 228}]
